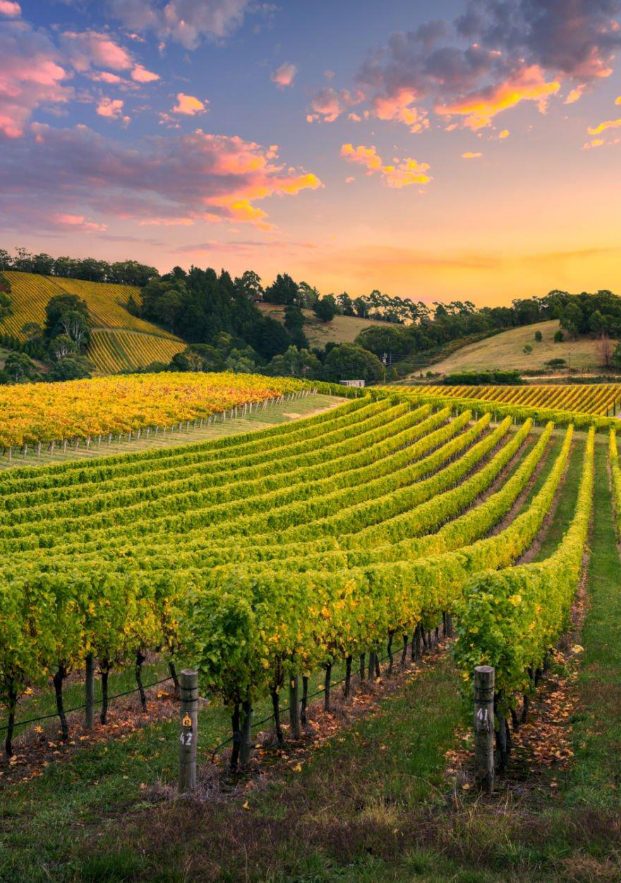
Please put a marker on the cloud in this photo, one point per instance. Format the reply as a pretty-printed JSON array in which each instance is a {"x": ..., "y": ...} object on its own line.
[
  {"x": 401, "y": 173},
  {"x": 480, "y": 108},
  {"x": 618, "y": 100},
  {"x": 470, "y": 155},
  {"x": 496, "y": 55},
  {"x": 78, "y": 222},
  {"x": 10, "y": 9},
  {"x": 189, "y": 105},
  {"x": 187, "y": 22},
  {"x": 504, "y": 134},
  {"x": 96, "y": 49},
  {"x": 31, "y": 76},
  {"x": 141, "y": 75},
  {"x": 112, "y": 109},
  {"x": 86, "y": 49},
  {"x": 284, "y": 75},
  {"x": 575, "y": 94},
  {"x": 602, "y": 127},
  {"x": 200, "y": 176},
  {"x": 328, "y": 104}
]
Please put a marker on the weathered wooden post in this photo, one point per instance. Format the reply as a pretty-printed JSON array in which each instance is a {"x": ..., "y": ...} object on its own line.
[
  {"x": 188, "y": 683},
  {"x": 484, "y": 679},
  {"x": 89, "y": 691},
  {"x": 294, "y": 708}
]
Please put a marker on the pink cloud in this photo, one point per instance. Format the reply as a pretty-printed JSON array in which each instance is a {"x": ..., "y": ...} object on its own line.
[
  {"x": 479, "y": 108},
  {"x": 30, "y": 77},
  {"x": 78, "y": 221},
  {"x": 10, "y": 9},
  {"x": 469, "y": 154},
  {"x": 400, "y": 107},
  {"x": 106, "y": 77},
  {"x": 398, "y": 174},
  {"x": 88, "y": 49},
  {"x": 200, "y": 176},
  {"x": 141, "y": 75},
  {"x": 112, "y": 109},
  {"x": 284, "y": 75},
  {"x": 189, "y": 105}
]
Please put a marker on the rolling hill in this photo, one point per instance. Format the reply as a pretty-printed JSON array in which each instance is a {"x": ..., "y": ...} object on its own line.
[
  {"x": 119, "y": 340},
  {"x": 506, "y": 350},
  {"x": 342, "y": 329}
]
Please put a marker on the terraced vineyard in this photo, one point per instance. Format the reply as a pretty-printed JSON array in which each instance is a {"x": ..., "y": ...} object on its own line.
[
  {"x": 119, "y": 341},
  {"x": 374, "y": 521}
]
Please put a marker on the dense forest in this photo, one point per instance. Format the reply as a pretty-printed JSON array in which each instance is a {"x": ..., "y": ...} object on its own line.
[{"x": 217, "y": 315}]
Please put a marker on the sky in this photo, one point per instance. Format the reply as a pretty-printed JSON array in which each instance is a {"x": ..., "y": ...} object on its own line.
[{"x": 433, "y": 150}]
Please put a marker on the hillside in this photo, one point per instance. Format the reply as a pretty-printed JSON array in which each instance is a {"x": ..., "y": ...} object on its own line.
[
  {"x": 342, "y": 329},
  {"x": 119, "y": 340},
  {"x": 506, "y": 350}
]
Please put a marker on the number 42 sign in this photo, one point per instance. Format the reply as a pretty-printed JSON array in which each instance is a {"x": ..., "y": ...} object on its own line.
[{"x": 186, "y": 734}]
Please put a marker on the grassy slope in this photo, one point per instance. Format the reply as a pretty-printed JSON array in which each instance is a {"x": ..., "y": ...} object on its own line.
[
  {"x": 342, "y": 329},
  {"x": 506, "y": 350},
  {"x": 120, "y": 340}
]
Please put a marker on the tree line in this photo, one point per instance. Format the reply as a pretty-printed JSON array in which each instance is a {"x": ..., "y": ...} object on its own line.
[{"x": 218, "y": 316}]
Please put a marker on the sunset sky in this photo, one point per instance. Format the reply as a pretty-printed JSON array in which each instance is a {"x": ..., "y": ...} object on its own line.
[{"x": 432, "y": 150}]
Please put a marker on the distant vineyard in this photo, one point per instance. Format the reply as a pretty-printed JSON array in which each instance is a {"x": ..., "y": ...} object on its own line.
[
  {"x": 134, "y": 342},
  {"x": 262, "y": 558},
  {"x": 121, "y": 348},
  {"x": 46, "y": 412},
  {"x": 580, "y": 404},
  {"x": 597, "y": 399}
]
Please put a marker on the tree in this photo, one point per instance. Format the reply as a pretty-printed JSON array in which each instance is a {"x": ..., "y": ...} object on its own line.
[
  {"x": 295, "y": 363},
  {"x": 271, "y": 338},
  {"x": 386, "y": 340},
  {"x": 19, "y": 368},
  {"x": 559, "y": 337},
  {"x": 241, "y": 361},
  {"x": 538, "y": 336},
  {"x": 70, "y": 368},
  {"x": 347, "y": 361},
  {"x": 528, "y": 349},
  {"x": 76, "y": 326},
  {"x": 615, "y": 359},
  {"x": 282, "y": 291},
  {"x": 344, "y": 304},
  {"x": 325, "y": 308},
  {"x": 307, "y": 296},
  {"x": 58, "y": 307},
  {"x": 249, "y": 284},
  {"x": 61, "y": 346}
]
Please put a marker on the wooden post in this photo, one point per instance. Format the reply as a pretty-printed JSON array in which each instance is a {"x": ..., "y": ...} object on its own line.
[
  {"x": 89, "y": 691},
  {"x": 484, "y": 677},
  {"x": 189, "y": 730},
  {"x": 294, "y": 708}
]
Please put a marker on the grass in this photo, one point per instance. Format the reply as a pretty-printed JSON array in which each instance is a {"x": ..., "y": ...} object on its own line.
[
  {"x": 506, "y": 350},
  {"x": 342, "y": 329},
  {"x": 272, "y": 415}
]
